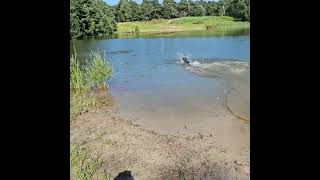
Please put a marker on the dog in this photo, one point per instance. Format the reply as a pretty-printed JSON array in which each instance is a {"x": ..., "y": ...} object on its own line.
[
  {"x": 185, "y": 60},
  {"x": 125, "y": 175}
]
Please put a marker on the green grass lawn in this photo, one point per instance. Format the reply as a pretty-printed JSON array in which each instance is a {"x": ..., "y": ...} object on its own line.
[{"x": 183, "y": 24}]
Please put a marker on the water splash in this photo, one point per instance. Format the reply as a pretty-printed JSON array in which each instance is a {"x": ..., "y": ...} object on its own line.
[
  {"x": 218, "y": 68},
  {"x": 181, "y": 55}
]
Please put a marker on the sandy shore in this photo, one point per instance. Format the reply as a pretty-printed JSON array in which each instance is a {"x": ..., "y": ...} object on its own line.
[{"x": 122, "y": 145}]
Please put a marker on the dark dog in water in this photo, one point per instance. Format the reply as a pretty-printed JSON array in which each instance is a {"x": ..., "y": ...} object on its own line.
[
  {"x": 185, "y": 60},
  {"x": 125, "y": 175}
]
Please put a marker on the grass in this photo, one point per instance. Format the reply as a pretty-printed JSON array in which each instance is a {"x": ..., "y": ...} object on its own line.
[
  {"x": 183, "y": 24},
  {"x": 76, "y": 75},
  {"x": 98, "y": 70},
  {"x": 85, "y": 79},
  {"x": 84, "y": 166},
  {"x": 81, "y": 103}
]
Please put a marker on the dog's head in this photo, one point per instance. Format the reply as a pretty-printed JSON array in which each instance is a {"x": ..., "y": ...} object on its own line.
[{"x": 125, "y": 175}]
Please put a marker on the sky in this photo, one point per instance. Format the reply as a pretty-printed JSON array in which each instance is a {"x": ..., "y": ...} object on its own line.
[{"x": 114, "y": 2}]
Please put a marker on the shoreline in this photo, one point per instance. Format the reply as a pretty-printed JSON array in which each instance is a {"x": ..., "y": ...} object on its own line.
[
  {"x": 183, "y": 24},
  {"x": 154, "y": 31},
  {"x": 173, "y": 30},
  {"x": 163, "y": 33},
  {"x": 123, "y": 145}
]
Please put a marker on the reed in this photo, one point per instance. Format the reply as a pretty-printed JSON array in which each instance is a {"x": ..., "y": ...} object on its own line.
[{"x": 85, "y": 79}]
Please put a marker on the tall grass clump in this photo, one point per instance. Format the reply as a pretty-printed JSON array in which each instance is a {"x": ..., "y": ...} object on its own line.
[
  {"x": 76, "y": 75},
  {"x": 98, "y": 70},
  {"x": 85, "y": 78}
]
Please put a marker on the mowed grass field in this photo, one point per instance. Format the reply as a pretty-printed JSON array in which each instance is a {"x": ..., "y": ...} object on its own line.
[{"x": 182, "y": 24}]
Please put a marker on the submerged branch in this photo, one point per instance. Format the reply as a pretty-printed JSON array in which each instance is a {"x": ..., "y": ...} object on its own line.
[{"x": 235, "y": 115}]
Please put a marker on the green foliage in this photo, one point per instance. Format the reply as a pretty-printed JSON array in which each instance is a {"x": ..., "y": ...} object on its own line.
[
  {"x": 94, "y": 73},
  {"x": 184, "y": 24},
  {"x": 91, "y": 18},
  {"x": 150, "y": 9},
  {"x": 156, "y": 9},
  {"x": 77, "y": 76},
  {"x": 204, "y": 20},
  {"x": 96, "y": 18},
  {"x": 170, "y": 9},
  {"x": 221, "y": 8},
  {"x": 198, "y": 8},
  {"x": 136, "y": 11},
  {"x": 123, "y": 11},
  {"x": 239, "y": 9},
  {"x": 146, "y": 10},
  {"x": 211, "y": 8},
  {"x": 80, "y": 103},
  {"x": 98, "y": 70},
  {"x": 184, "y": 8}
]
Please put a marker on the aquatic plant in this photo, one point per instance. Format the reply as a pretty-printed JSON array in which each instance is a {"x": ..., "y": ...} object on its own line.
[
  {"x": 94, "y": 73},
  {"x": 98, "y": 70}
]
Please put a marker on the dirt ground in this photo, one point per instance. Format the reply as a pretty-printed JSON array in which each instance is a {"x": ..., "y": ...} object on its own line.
[{"x": 122, "y": 145}]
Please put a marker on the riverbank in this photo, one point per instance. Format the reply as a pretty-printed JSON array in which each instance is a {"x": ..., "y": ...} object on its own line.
[
  {"x": 204, "y": 23},
  {"x": 115, "y": 144}
]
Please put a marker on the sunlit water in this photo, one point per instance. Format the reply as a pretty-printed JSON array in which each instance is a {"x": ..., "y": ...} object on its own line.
[{"x": 152, "y": 86}]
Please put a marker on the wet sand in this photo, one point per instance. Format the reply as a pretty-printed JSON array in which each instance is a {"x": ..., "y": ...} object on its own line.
[{"x": 123, "y": 145}]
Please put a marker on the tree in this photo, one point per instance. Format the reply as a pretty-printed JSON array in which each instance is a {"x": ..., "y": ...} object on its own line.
[
  {"x": 239, "y": 10},
  {"x": 123, "y": 11},
  {"x": 169, "y": 9},
  {"x": 91, "y": 18},
  {"x": 146, "y": 8},
  {"x": 198, "y": 8},
  {"x": 156, "y": 9},
  {"x": 211, "y": 8},
  {"x": 136, "y": 12},
  {"x": 108, "y": 19},
  {"x": 220, "y": 8},
  {"x": 150, "y": 9},
  {"x": 184, "y": 8},
  {"x": 75, "y": 29},
  {"x": 248, "y": 6}
]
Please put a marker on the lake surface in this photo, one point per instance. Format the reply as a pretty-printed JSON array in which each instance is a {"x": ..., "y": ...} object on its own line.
[{"x": 152, "y": 86}]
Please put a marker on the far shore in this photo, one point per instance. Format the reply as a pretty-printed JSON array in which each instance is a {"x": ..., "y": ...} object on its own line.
[{"x": 204, "y": 23}]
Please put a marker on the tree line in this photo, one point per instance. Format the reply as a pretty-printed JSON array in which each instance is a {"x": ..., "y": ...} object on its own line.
[{"x": 95, "y": 17}]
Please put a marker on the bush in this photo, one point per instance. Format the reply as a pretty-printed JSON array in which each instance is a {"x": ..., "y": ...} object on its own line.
[{"x": 137, "y": 29}]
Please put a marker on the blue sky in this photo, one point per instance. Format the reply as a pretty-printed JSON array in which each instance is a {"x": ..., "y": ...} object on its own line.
[{"x": 114, "y": 2}]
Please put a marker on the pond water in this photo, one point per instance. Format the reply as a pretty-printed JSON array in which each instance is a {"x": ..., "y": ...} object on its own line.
[{"x": 152, "y": 86}]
